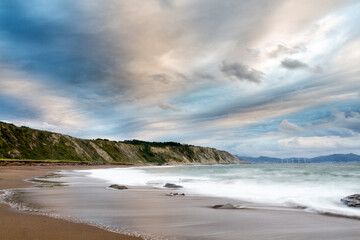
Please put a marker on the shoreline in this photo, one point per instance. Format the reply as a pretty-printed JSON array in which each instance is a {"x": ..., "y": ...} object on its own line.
[
  {"x": 21, "y": 225},
  {"x": 189, "y": 213}
]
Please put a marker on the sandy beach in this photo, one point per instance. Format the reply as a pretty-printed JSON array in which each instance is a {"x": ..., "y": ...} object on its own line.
[{"x": 19, "y": 225}]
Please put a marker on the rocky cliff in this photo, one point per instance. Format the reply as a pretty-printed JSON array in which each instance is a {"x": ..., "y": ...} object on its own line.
[{"x": 26, "y": 143}]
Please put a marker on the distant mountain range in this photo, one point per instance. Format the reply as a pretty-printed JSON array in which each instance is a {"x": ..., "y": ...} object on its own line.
[{"x": 329, "y": 158}]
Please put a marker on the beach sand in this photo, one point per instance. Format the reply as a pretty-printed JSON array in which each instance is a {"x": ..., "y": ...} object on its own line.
[
  {"x": 19, "y": 225},
  {"x": 150, "y": 211}
]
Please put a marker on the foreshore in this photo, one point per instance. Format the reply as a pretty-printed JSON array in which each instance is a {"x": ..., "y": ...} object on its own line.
[
  {"x": 19, "y": 225},
  {"x": 149, "y": 211}
]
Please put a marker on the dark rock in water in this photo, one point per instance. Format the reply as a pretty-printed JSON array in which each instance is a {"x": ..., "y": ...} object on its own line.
[
  {"x": 226, "y": 206},
  {"x": 171, "y": 185},
  {"x": 175, "y": 194},
  {"x": 352, "y": 200},
  {"x": 172, "y": 194},
  {"x": 119, "y": 187}
]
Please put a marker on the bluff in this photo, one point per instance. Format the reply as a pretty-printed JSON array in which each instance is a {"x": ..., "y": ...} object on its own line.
[{"x": 26, "y": 143}]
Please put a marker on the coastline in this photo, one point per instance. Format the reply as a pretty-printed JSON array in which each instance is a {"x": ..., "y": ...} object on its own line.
[
  {"x": 189, "y": 217},
  {"x": 20, "y": 225}
]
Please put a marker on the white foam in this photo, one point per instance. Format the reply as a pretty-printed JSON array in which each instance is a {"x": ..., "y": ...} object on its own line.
[
  {"x": 316, "y": 193},
  {"x": 138, "y": 176}
]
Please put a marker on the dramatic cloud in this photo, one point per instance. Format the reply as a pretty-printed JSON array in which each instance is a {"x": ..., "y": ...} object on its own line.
[
  {"x": 53, "y": 110},
  {"x": 241, "y": 72},
  {"x": 160, "y": 70}
]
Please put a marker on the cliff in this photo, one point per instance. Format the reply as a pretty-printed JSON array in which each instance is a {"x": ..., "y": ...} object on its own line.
[{"x": 26, "y": 143}]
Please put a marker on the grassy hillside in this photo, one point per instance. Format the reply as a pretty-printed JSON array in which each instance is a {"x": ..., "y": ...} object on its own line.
[{"x": 26, "y": 143}]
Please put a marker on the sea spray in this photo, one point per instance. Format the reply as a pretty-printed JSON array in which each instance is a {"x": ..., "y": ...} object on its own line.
[{"x": 312, "y": 187}]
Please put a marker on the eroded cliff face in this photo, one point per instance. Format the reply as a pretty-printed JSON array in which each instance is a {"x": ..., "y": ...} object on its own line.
[
  {"x": 27, "y": 143},
  {"x": 195, "y": 155}
]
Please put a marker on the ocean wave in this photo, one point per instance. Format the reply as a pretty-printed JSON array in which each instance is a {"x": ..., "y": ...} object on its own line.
[{"x": 314, "y": 188}]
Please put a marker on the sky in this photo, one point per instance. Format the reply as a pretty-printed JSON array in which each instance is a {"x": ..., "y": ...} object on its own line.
[{"x": 278, "y": 78}]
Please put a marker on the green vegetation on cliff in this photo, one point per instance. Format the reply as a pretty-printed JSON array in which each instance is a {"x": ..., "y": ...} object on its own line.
[{"x": 26, "y": 143}]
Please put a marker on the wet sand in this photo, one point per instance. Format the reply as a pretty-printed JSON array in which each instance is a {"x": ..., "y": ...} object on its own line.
[{"x": 19, "y": 225}]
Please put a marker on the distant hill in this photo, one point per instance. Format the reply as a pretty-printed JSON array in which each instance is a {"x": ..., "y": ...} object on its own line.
[
  {"x": 337, "y": 158},
  {"x": 329, "y": 158},
  {"x": 26, "y": 143}
]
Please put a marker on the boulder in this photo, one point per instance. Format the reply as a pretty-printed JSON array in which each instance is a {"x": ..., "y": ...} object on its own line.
[
  {"x": 171, "y": 185},
  {"x": 226, "y": 206},
  {"x": 119, "y": 187},
  {"x": 352, "y": 200},
  {"x": 175, "y": 194}
]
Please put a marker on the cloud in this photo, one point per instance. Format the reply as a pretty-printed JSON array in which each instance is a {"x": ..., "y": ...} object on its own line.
[
  {"x": 115, "y": 68},
  {"x": 283, "y": 50},
  {"x": 349, "y": 120},
  {"x": 293, "y": 64},
  {"x": 288, "y": 127},
  {"x": 55, "y": 39},
  {"x": 241, "y": 72},
  {"x": 325, "y": 143},
  {"x": 166, "y": 3},
  {"x": 168, "y": 106},
  {"x": 342, "y": 124},
  {"x": 53, "y": 109}
]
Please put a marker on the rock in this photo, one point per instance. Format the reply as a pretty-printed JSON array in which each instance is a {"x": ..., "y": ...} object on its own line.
[
  {"x": 175, "y": 194},
  {"x": 226, "y": 206},
  {"x": 119, "y": 187},
  {"x": 352, "y": 200},
  {"x": 171, "y": 185},
  {"x": 171, "y": 194}
]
